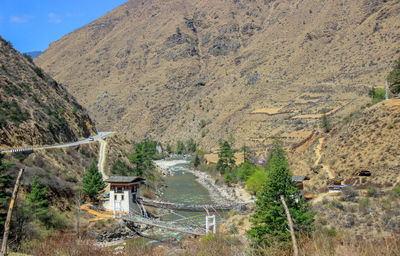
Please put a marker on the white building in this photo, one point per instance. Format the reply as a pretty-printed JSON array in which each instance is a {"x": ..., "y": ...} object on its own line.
[{"x": 124, "y": 191}]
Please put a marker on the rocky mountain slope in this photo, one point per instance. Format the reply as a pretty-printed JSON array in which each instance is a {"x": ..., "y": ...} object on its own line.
[
  {"x": 34, "y": 108},
  {"x": 364, "y": 141},
  {"x": 251, "y": 68}
]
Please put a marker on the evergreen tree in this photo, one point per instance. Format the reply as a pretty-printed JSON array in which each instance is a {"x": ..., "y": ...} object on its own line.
[
  {"x": 180, "y": 148},
  {"x": 226, "y": 159},
  {"x": 92, "y": 182},
  {"x": 5, "y": 185},
  {"x": 196, "y": 161},
  {"x": 36, "y": 199},
  {"x": 269, "y": 221},
  {"x": 325, "y": 124},
  {"x": 142, "y": 157},
  {"x": 191, "y": 145},
  {"x": 394, "y": 78},
  {"x": 169, "y": 149}
]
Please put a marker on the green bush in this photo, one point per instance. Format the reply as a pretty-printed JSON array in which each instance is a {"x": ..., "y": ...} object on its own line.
[
  {"x": 57, "y": 220},
  {"x": 25, "y": 86},
  {"x": 203, "y": 123},
  {"x": 245, "y": 170},
  {"x": 13, "y": 90},
  {"x": 38, "y": 72},
  {"x": 208, "y": 238},
  {"x": 377, "y": 94},
  {"x": 11, "y": 111},
  {"x": 255, "y": 181},
  {"x": 396, "y": 190}
]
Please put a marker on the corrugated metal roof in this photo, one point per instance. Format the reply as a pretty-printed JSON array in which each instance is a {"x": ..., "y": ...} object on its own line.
[{"x": 124, "y": 179}]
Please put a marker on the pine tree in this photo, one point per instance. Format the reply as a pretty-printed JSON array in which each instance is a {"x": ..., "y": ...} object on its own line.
[
  {"x": 142, "y": 157},
  {"x": 191, "y": 145},
  {"x": 180, "y": 148},
  {"x": 269, "y": 221},
  {"x": 196, "y": 161},
  {"x": 36, "y": 199},
  {"x": 226, "y": 159},
  {"x": 325, "y": 124},
  {"x": 168, "y": 149},
  {"x": 93, "y": 183}
]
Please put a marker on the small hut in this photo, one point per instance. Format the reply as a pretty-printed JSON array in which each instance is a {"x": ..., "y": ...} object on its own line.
[
  {"x": 335, "y": 184},
  {"x": 299, "y": 183},
  {"x": 124, "y": 191}
]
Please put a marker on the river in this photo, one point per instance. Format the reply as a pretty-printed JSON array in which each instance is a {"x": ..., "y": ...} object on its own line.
[{"x": 182, "y": 187}]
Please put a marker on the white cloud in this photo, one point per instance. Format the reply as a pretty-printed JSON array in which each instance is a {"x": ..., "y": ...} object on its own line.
[
  {"x": 20, "y": 19},
  {"x": 54, "y": 18}
]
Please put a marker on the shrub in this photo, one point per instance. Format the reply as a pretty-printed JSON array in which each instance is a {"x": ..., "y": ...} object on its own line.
[
  {"x": 377, "y": 94},
  {"x": 372, "y": 192},
  {"x": 255, "y": 181},
  {"x": 202, "y": 123},
  {"x": 245, "y": 170},
  {"x": 208, "y": 238},
  {"x": 396, "y": 190},
  {"x": 38, "y": 72},
  {"x": 71, "y": 178},
  {"x": 58, "y": 220},
  {"x": 325, "y": 123},
  {"x": 29, "y": 58}
]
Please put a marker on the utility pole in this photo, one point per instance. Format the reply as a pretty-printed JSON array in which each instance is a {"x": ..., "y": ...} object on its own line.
[
  {"x": 387, "y": 90},
  {"x": 9, "y": 214}
]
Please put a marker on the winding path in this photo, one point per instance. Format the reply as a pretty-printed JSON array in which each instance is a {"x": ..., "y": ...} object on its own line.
[
  {"x": 102, "y": 158},
  {"x": 318, "y": 160}
]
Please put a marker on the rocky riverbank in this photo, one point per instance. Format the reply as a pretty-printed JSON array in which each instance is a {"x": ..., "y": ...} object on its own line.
[{"x": 221, "y": 193}]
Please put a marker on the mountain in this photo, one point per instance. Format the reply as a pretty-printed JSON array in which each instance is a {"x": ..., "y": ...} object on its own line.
[
  {"x": 244, "y": 69},
  {"x": 33, "y": 54},
  {"x": 34, "y": 108}
]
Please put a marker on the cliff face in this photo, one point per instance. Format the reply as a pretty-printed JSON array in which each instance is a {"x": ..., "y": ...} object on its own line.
[
  {"x": 34, "y": 108},
  {"x": 254, "y": 69}
]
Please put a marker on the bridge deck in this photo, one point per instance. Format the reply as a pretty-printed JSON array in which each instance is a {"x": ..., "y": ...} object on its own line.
[
  {"x": 165, "y": 225},
  {"x": 194, "y": 208}
]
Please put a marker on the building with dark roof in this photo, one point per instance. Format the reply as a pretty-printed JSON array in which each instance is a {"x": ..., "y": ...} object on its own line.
[{"x": 124, "y": 193}]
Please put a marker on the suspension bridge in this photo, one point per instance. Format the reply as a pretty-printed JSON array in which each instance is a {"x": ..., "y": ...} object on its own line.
[
  {"x": 194, "y": 207},
  {"x": 183, "y": 224}
]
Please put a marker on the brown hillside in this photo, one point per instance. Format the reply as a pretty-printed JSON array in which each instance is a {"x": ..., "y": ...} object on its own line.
[
  {"x": 34, "y": 108},
  {"x": 364, "y": 141},
  {"x": 157, "y": 68}
]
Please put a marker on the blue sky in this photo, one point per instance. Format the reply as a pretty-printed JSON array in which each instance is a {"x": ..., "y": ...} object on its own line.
[{"x": 31, "y": 25}]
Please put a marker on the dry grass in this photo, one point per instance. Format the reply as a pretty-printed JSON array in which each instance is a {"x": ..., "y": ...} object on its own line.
[
  {"x": 65, "y": 245},
  {"x": 323, "y": 242},
  {"x": 328, "y": 243}
]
